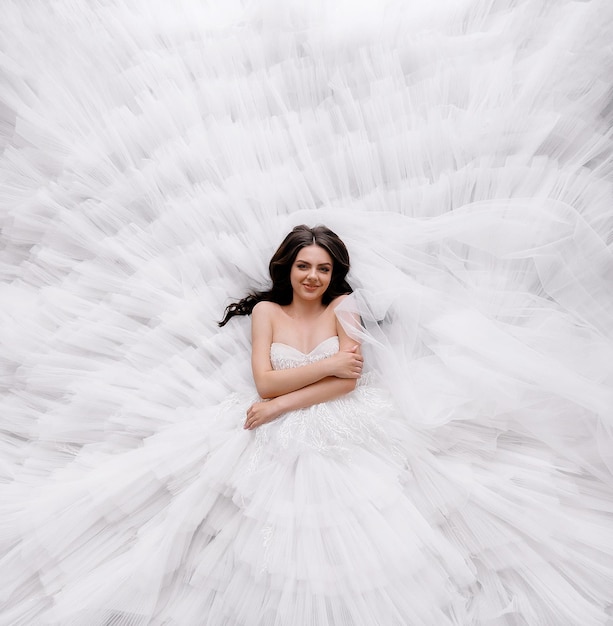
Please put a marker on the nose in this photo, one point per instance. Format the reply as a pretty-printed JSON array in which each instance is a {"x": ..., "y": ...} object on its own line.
[{"x": 312, "y": 272}]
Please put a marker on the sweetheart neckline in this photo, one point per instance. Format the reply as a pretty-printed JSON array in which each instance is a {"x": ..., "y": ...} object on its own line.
[{"x": 280, "y": 343}]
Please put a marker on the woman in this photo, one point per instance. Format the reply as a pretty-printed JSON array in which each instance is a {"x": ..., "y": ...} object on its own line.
[{"x": 343, "y": 544}]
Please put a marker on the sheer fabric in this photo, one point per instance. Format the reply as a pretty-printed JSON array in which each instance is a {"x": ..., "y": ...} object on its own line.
[{"x": 152, "y": 157}]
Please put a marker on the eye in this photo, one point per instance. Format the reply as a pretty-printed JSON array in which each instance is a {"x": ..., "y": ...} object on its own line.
[
  {"x": 325, "y": 270},
  {"x": 301, "y": 266}
]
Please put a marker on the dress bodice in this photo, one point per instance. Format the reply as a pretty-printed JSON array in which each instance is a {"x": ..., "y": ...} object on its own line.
[{"x": 283, "y": 356}]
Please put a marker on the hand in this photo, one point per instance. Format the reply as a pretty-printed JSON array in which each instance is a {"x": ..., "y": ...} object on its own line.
[
  {"x": 261, "y": 413},
  {"x": 347, "y": 363}
]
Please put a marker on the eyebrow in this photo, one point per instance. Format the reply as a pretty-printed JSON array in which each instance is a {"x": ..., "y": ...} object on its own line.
[{"x": 319, "y": 264}]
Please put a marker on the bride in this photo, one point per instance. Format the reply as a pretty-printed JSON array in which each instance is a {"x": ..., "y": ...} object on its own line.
[{"x": 330, "y": 536}]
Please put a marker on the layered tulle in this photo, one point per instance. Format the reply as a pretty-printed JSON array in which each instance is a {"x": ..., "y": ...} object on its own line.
[
  {"x": 306, "y": 518},
  {"x": 153, "y": 157}
]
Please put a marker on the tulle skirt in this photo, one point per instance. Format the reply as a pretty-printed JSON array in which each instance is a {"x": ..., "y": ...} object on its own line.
[{"x": 152, "y": 160}]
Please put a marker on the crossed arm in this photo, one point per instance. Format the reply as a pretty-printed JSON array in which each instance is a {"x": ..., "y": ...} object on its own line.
[{"x": 300, "y": 387}]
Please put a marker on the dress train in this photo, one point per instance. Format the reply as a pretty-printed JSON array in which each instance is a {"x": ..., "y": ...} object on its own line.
[{"x": 152, "y": 158}]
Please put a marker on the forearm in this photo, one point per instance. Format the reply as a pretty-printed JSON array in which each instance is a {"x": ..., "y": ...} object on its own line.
[
  {"x": 321, "y": 391},
  {"x": 274, "y": 383},
  {"x": 268, "y": 410}
]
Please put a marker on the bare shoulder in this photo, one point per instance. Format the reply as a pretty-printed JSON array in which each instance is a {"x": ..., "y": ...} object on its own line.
[
  {"x": 262, "y": 322},
  {"x": 265, "y": 309}
]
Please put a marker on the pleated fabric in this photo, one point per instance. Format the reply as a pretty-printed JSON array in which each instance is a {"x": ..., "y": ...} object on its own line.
[{"x": 153, "y": 156}]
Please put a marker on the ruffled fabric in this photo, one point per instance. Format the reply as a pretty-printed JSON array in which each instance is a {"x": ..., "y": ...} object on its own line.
[
  {"x": 151, "y": 160},
  {"x": 303, "y": 519}
]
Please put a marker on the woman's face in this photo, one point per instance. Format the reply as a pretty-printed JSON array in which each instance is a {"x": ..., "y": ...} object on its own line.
[{"x": 311, "y": 273}]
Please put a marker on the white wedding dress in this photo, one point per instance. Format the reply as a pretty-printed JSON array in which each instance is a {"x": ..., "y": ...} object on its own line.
[{"x": 152, "y": 157}]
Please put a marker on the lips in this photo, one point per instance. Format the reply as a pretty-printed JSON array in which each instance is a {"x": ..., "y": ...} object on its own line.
[{"x": 310, "y": 287}]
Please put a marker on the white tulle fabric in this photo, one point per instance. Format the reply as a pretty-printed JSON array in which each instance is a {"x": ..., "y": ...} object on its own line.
[
  {"x": 152, "y": 157},
  {"x": 305, "y": 519}
]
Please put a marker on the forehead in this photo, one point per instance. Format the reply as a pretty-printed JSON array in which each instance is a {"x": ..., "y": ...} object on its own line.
[{"x": 314, "y": 254}]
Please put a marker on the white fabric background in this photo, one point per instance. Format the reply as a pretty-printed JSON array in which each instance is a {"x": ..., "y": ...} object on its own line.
[{"x": 155, "y": 153}]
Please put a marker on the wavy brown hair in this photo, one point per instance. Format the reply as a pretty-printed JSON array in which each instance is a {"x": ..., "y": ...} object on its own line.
[{"x": 281, "y": 264}]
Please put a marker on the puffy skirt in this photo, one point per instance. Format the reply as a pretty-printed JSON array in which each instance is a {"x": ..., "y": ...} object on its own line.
[{"x": 152, "y": 159}]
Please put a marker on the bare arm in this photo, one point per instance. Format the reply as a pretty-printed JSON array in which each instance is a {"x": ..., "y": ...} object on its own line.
[
  {"x": 320, "y": 391},
  {"x": 272, "y": 383}
]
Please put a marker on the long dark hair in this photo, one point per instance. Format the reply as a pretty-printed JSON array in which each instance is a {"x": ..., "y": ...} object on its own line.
[{"x": 281, "y": 264}]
